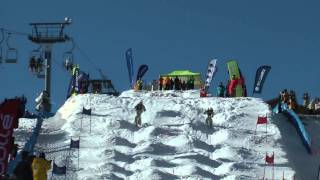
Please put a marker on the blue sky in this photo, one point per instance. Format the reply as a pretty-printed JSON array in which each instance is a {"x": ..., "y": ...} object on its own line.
[{"x": 169, "y": 35}]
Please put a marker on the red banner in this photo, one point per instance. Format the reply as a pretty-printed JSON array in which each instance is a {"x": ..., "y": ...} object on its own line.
[
  {"x": 10, "y": 112},
  {"x": 270, "y": 159},
  {"x": 262, "y": 120}
]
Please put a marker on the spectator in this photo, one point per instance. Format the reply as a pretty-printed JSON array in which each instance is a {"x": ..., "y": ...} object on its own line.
[
  {"x": 23, "y": 170},
  {"x": 306, "y": 100},
  {"x": 40, "y": 167},
  {"x": 160, "y": 83},
  {"x": 220, "y": 90},
  {"x": 232, "y": 86}
]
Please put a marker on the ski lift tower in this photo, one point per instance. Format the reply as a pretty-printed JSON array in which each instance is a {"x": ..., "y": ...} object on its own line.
[{"x": 46, "y": 35}]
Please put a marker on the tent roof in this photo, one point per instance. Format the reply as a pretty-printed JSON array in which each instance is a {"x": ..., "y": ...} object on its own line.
[{"x": 182, "y": 73}]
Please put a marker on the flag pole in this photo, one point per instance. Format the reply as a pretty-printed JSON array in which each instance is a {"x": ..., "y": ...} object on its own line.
[
  {"x": 264, "y": 169},
  {"x": 255, "y": 132},
  {"x": 52, "y": 170},
  {"x": 79, "y": 154},
  {"x": 81, "y": 121},
  {"x": 90, "y": 124},
  {"x": 273, "y": 166},
  {"x": 65, "y": 176},
  {"x": 267, "y": 131}
]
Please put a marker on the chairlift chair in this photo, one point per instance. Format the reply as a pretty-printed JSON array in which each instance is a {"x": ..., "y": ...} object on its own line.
[
  {"x": 40, "y": 75},
  {"x": 40, "y": 71},
  {"x": 34, "y": 55},
  {"x": 12, "y": 53},
  {"x": 11, "y": 56},
  {"x": 68, "y": 60}
]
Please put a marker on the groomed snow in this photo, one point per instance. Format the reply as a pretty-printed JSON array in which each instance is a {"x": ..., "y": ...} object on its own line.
[{"x": 173, "y": 143}]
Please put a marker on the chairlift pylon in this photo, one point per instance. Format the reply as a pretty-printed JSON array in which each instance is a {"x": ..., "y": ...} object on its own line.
[{"x": 12, "y": 53}]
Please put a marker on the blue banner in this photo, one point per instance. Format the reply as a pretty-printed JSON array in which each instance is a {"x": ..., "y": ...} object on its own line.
[
  {"x": 59, "y": 170},
  {"x": 129, "y": 59},
  {"x": 75, "y": 144},
  {"x": 261, "y": 75},
  {"x": 141, "y": 71}
]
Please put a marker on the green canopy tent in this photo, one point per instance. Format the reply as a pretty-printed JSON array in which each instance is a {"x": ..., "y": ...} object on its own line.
[{"x": 184, "y": 75}]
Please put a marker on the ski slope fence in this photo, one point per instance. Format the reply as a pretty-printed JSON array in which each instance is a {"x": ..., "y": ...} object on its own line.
[{"x": 292, "y": 116}]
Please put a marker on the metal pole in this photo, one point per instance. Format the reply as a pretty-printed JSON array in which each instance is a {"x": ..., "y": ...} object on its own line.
[{"x": 48, "y": 56}]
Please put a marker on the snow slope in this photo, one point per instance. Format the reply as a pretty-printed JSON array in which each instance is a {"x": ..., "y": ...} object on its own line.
[{"x": 174, "y": 142}]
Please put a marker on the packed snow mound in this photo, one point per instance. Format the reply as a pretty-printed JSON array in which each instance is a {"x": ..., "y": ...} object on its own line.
[{"x": 173, "y": 143}]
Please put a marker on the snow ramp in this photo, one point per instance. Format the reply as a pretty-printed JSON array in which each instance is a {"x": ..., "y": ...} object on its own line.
[{"x": 173, "y": 143}]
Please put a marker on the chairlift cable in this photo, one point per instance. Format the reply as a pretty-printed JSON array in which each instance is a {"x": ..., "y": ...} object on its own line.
[
  {"x": 86, "y": 56},
  {"x": 58, "y": 64},
  {"x": 14, "y": 32},
  {"x": 7, "y": 41}
]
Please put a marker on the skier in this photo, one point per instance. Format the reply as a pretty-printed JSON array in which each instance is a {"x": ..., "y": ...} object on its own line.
[
  {"x": 220, "y": 90},
  {"x": 40, "y": 167},
  {"x": 140, "y": 108},
  {"x": 210, "y": 115},
  {"x": 23, "y": 170}
]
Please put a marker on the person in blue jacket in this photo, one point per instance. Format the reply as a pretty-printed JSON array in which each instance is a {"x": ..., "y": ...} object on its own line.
[{"x": 220, "y": 90}]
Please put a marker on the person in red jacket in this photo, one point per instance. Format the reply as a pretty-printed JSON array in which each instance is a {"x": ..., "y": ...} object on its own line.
[{"x": 232, "y": 86}]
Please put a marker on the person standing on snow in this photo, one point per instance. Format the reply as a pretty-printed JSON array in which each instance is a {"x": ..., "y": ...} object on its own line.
[
  {"x": 160, "y": 83},
  {"x": 23, "y": 170},
  {"x": 220, "y": 90},
  {"x": 140, "y": 108},
  {"x": 232, "y": 86},
  {"x": 210, "y": 115},
  {"x": 40, "y": 167},
  {"x": 306, "y": 100}
]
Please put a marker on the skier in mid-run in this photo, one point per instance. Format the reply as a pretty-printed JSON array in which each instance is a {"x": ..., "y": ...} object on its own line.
[
  {"x": 140, "y": 108},
  {"x": 210, "y": 115}
]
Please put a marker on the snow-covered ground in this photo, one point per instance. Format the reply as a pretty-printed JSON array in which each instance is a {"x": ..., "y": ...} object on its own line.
[{"x": 173, "y": 143}]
